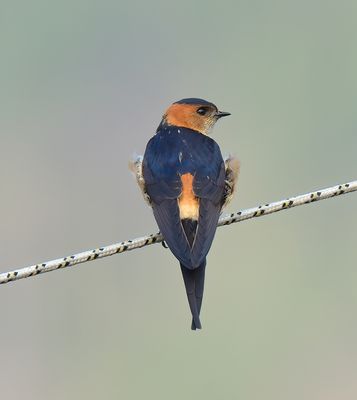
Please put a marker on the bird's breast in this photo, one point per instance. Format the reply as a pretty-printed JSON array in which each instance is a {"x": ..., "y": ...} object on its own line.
[{"x": 188, "y": 202}]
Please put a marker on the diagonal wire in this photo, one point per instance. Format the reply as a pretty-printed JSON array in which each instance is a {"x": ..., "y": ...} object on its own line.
[{"x": 121, "y": 247}]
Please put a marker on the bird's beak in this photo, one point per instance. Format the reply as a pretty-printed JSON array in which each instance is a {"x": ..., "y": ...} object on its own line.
[{"x": 221, "y": 114}]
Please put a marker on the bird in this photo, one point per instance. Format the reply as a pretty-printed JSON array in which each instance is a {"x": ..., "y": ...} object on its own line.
[{"x": 187, "y": 183}]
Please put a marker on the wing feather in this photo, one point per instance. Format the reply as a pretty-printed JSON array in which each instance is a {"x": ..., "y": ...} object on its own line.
[
  {"x": 167, "y": 216},
  {"x": 206, "y": 229},
  {"x": 168, "y": 156}
]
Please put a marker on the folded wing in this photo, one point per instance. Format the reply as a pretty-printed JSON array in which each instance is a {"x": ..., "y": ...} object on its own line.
[{"x": 165, "y": 162}]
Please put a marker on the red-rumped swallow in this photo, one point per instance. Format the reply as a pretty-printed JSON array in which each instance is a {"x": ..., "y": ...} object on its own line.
[{"x": 187, "y": 183}]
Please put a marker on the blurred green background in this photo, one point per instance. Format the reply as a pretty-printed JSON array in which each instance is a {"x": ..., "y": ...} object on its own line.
[{"x": 83, "y": 87}]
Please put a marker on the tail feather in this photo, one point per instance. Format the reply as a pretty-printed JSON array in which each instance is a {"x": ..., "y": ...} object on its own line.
[
  {"x": 194, "y": 283},
  {"x": 199, "y": 287}
]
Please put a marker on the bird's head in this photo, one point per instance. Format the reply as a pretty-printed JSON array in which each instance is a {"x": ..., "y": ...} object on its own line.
[{"x": 197, "y": 114}]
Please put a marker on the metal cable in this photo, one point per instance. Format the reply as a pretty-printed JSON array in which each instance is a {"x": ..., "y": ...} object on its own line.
[{"x": 121, "y": 247}]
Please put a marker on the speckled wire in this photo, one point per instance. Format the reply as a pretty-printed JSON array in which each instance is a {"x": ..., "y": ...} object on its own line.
[{"x": 106, "y": 251}]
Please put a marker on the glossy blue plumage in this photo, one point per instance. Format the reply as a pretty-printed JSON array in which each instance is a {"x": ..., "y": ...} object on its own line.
[{"x": 172, "y": 152}]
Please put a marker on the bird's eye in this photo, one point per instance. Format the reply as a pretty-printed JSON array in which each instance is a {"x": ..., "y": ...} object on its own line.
[{"x": 202, "y": 111}]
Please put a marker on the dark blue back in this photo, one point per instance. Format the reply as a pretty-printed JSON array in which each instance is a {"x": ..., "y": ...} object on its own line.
[{"x": 172, "y": 152}]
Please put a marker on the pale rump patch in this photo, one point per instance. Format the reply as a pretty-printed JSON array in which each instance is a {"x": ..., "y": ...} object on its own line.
[{"x": 188, "y": 203}]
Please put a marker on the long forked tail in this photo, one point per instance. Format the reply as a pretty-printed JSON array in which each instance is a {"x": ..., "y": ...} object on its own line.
[{"x": 194, "y": 283}]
